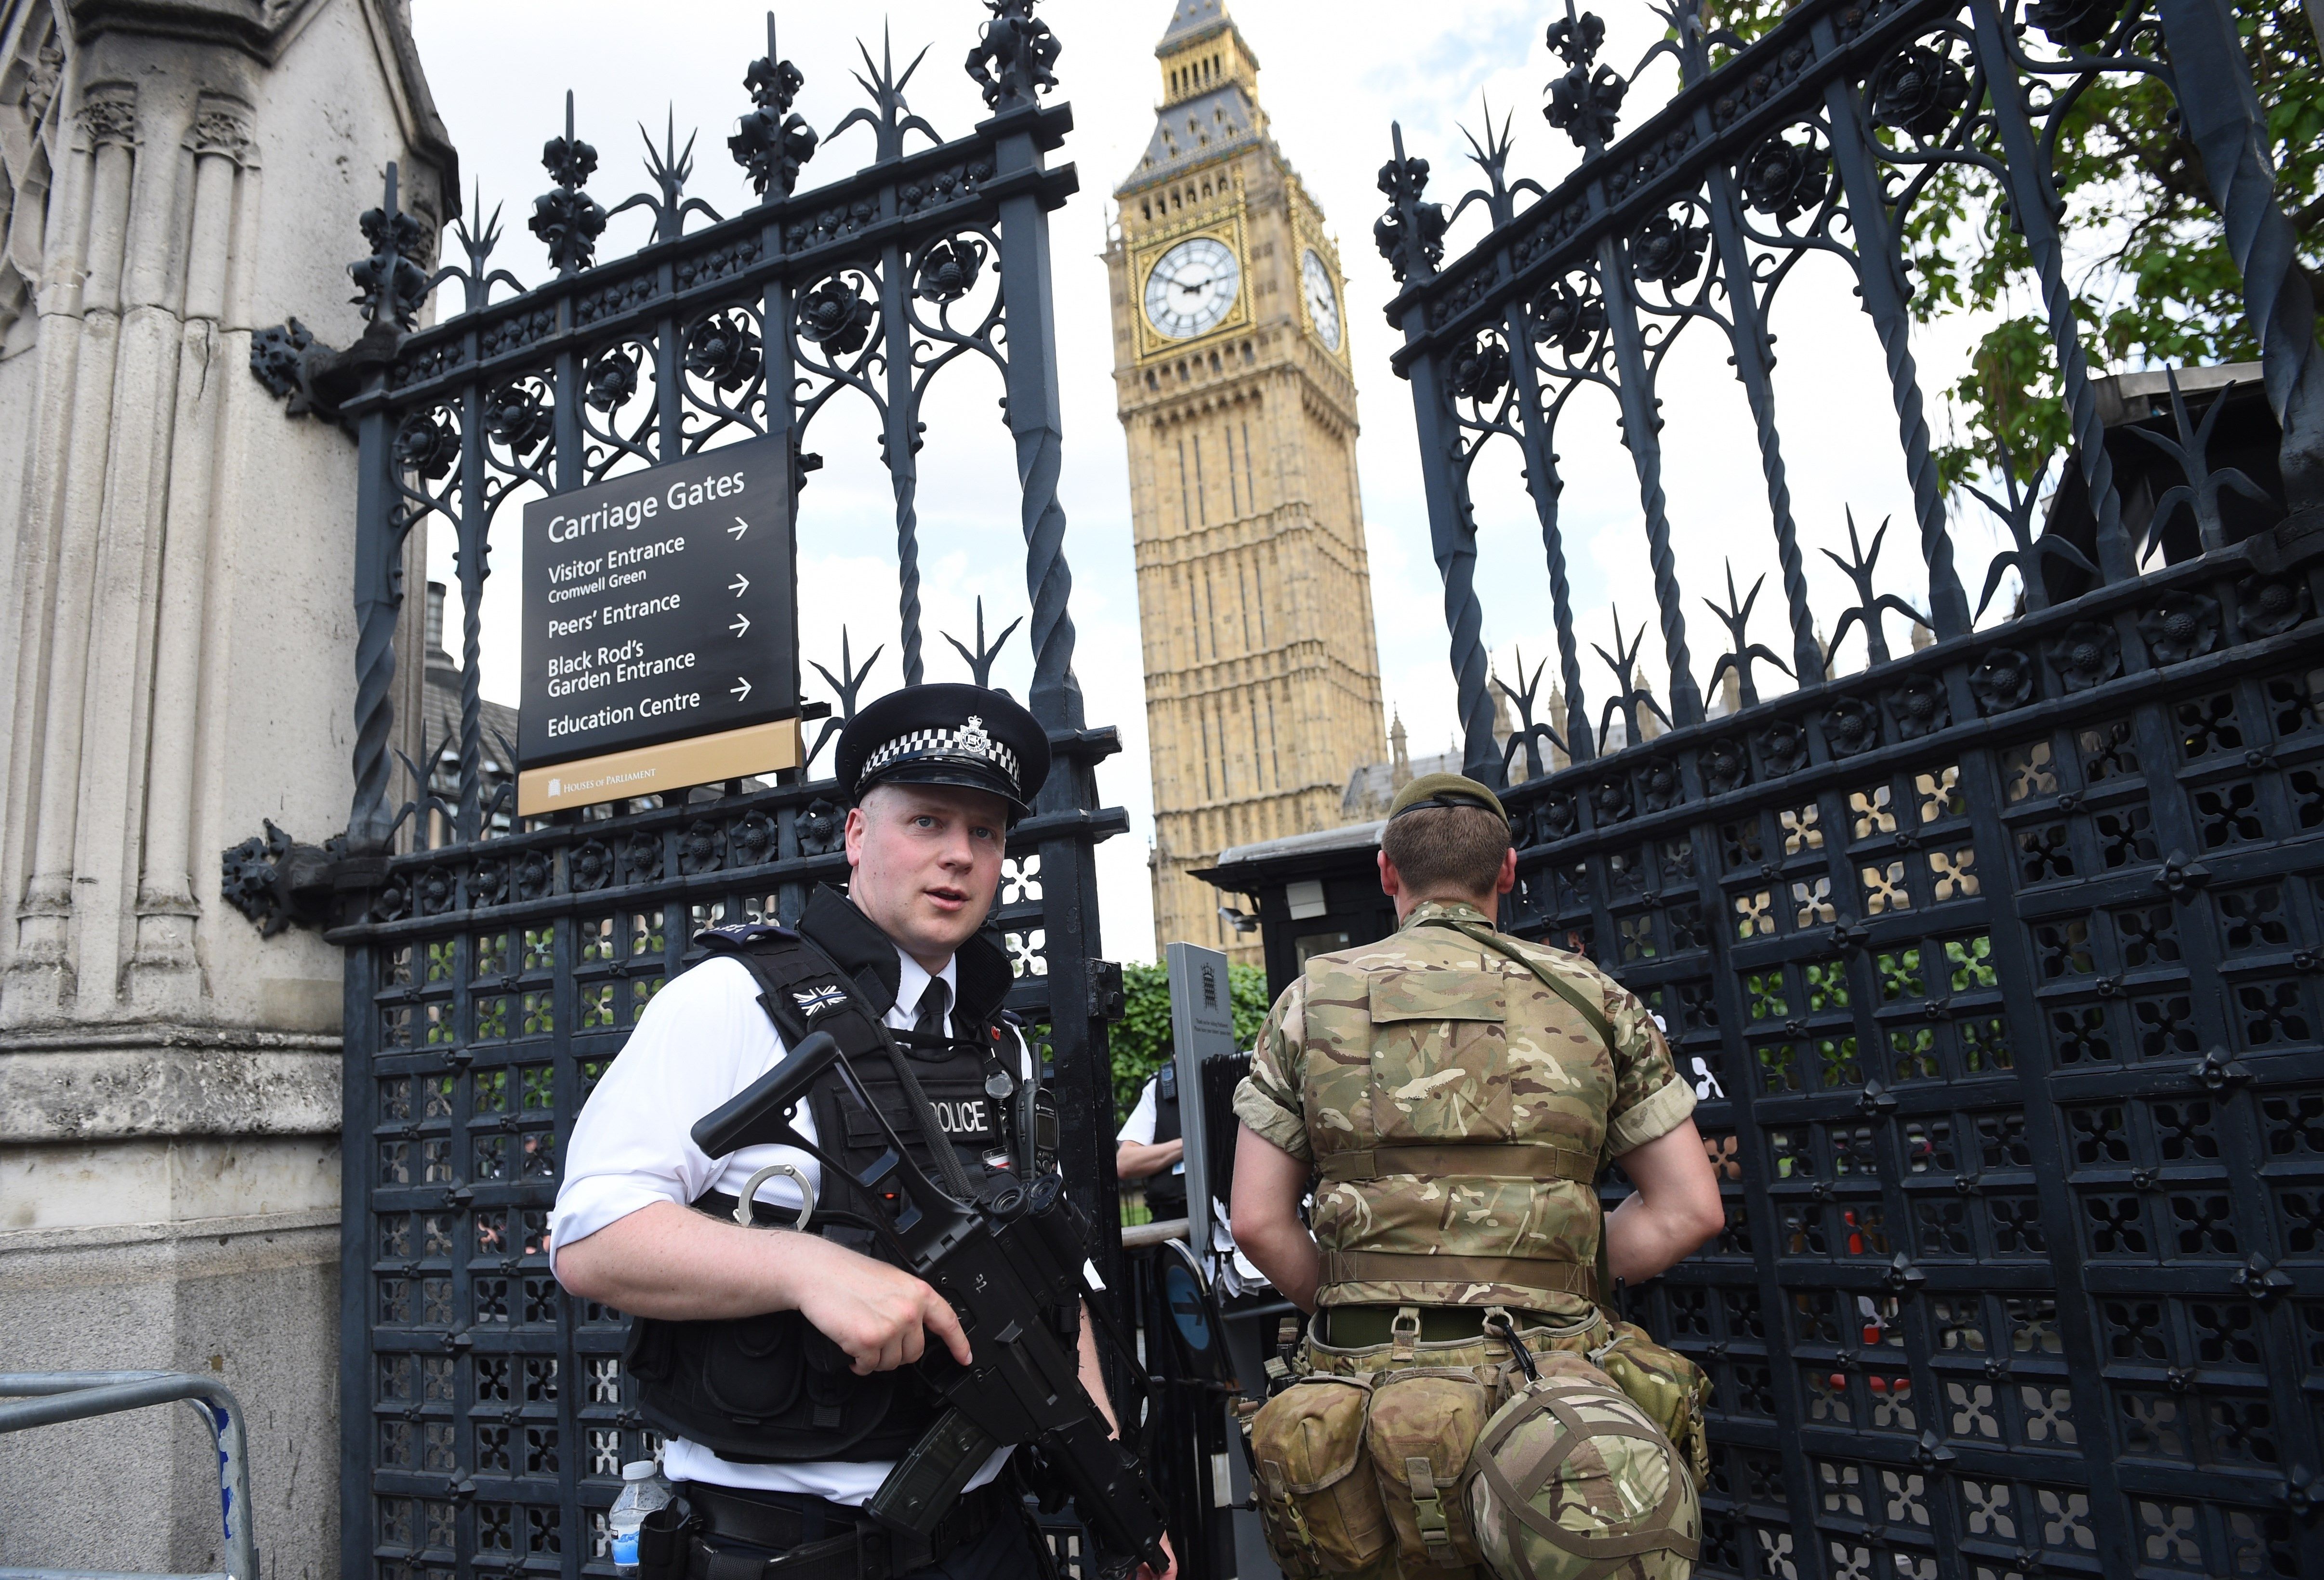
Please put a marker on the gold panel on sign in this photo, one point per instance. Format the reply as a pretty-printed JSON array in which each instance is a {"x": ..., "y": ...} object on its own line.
[{"x": 659, "y": 770}]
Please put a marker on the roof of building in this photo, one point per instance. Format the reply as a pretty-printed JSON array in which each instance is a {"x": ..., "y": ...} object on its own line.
[
  {"x": 1192, "y": 21},
  {"x": 1373, "y": 784},
  {"x": 441, "y": 718},
  {"x": 1194, "y": 132},
  {"x": 1353, "y": 836}
]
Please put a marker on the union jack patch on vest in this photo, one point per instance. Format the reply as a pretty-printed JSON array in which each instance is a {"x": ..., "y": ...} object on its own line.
[{"x": 816, "y": 1000}]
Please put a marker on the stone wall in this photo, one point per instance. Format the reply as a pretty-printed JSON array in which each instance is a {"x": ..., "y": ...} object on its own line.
[{"x": 175, "y": 581}]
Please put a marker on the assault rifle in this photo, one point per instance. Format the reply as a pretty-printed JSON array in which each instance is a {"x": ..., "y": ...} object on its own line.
[{"x": 1011, "y": 1263}]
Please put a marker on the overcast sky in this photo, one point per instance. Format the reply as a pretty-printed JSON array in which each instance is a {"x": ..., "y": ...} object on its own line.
[{"x": 1332, "y": 79}]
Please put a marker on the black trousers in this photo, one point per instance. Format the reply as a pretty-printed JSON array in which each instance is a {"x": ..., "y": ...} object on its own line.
[{"x": 1004, "y": 1551}]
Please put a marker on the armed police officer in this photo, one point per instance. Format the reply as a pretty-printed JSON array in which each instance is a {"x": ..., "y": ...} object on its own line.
[
  {"x": 780, "y": 1360},
  {"x": 1453, "y": 1094},
  {"x": 1151, "y": 1146}
]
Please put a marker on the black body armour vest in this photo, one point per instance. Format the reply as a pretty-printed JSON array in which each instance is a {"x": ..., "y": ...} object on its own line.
[
  {"x": 772, "y": 1389},
  {"x": 1166, "y": 1192}
]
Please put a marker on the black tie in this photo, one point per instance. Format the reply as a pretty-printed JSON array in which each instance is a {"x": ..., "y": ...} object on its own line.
[{"x": 929, "y": 1019}]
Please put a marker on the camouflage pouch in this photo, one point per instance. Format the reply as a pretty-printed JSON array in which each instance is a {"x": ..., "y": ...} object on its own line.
[
  {"x": 1316, "y": 1495},
  {"x": 1423, "y": 1422},
  {"x": 1571, "y": 1481},
  {"x": 1673, "y": 1391}
]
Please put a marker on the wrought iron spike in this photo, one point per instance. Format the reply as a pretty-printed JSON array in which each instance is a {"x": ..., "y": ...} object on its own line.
[
  {"x": 1858, "y": 568},
  {"x": 1623, "y": 661},
  {"x": 895, "y": 116},
  {"x": 2199, "y": 494},
  {"x": 980, "y": 662},
  {"x": 1529, "y": 734},
  {"x": 1742, "y": 652}
]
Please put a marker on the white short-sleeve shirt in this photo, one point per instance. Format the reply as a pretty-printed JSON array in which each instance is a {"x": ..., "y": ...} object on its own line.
[{"x": 704, "y": 1038}]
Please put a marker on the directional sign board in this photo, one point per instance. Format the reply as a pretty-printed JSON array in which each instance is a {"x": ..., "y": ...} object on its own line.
[{"x": 660, "y": 631}]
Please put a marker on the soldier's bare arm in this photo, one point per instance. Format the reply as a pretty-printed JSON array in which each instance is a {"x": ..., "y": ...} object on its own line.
[
  {"x": 1267, "y": 1185},
  {"x": 667, "y": 1261},
  {"x": 1674, "y": 1210}
]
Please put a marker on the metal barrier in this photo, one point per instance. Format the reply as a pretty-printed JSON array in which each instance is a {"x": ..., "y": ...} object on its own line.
[{"x": 51, "y": 1397}]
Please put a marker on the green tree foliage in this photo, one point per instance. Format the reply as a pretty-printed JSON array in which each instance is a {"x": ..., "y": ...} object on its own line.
[
  {"x": 1141, "y": 1038},
  {"x": 2151, "y": 279}
]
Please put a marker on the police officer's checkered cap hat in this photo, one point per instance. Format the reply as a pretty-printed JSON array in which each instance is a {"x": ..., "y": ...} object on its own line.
[{"x": 946, "y": 734}]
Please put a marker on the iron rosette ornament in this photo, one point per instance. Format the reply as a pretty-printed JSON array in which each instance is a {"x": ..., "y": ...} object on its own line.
[
  {"x": 1852, "y": 725},
  {"x": 2002, "y": 680},
  {"x": 1786, "y": 175},
  {"x": 2180, "y": 626},
  {"x": 1919, "y": 707},
  {"x": 2089, "y": 655},
  {"x": 1726, "y": 765},
  {"x": 519, "y": 418},
  {"x": 1783, "y": 748},
  {"x": 837, "y": 315},
  {"x": 2270, "y": 606},
  {"x": 1920, "y": 90},
  {"x": 724, "y": 350},
  {"x": 954, "y": 303}
]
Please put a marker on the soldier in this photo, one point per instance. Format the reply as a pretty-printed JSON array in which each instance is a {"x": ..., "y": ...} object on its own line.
[
  {"x": 1457, "y": 1091},
  {"x": 778, "y": 1364}
]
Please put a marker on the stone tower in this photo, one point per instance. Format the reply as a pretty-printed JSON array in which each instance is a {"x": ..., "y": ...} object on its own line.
[{"x": 1233, "y": 380}]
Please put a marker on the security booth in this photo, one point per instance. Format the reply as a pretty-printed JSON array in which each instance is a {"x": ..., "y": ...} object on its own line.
[{"x": 1307, "y": 895}]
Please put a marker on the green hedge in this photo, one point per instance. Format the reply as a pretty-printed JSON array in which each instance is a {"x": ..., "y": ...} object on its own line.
[{"x": 1141, "y": 1040}]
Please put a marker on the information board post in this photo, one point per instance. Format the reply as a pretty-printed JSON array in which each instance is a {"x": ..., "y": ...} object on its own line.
[
  {"x": 660, "y": 631},
  {"x": 1202, "y": 1023}
]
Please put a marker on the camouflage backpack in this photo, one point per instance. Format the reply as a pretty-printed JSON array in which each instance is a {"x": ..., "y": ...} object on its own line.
[{"x": 1571, "y": 1481}]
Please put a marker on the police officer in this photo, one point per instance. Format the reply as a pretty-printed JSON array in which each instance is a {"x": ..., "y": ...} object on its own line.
[
  {"x": 772, "y": 1357},
  {"x": 1151, "y": 1146},
  {"x": 1454, "y": 1092}
]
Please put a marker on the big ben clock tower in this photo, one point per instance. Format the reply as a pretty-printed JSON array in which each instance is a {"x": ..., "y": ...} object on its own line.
[{"x": 1233, "y": 382}]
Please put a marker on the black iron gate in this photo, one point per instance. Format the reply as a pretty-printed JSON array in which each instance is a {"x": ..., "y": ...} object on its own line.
[
  {"x": 493, "y": 977},
  {"x": 1999, "y": 960}
]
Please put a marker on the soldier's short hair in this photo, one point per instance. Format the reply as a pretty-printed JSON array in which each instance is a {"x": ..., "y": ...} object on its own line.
[{"x": 1447, "y": 848}]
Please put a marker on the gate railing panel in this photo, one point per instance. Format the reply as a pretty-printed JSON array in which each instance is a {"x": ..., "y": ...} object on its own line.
[
  {"x": 493, "y": 977},
  {"x": 1997, "y": 963}
]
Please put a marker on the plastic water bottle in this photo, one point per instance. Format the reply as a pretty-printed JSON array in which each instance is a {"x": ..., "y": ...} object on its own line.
[{"x": 642, "y": 1491}]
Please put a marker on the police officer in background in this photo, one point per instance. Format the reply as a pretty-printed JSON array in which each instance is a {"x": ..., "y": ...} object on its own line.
[
  {"x": 776, "y": 1360},
  {"x": 1151, "y": 1146},
  {"x": 1455, "y": 1092}
]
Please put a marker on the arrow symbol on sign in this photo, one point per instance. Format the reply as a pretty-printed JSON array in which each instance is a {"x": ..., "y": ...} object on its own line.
[
  {"x": 742, "y": 624},
  {"x": 741, "y": 691},
  {"x": 740, "y": 528},
  {"x": 739, "y": 585}
]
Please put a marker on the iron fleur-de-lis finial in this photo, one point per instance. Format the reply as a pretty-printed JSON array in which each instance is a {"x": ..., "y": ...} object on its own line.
[
  {"x": 390, "y": 284},
  {"x": 1014, "y": 60},
  {"x": 980, "y": 662},
  {"x": 1858, "y": 567},
  {"x": 567, "y": 220},
  {"x": 1411, "y": 235},
  {"x": 772, "y": 144},
  {"x": 1583, "y": 104},
  {"x": 1736, "y": 617}
]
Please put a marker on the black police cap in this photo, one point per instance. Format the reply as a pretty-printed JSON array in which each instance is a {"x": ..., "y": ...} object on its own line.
[{"x": 946, "y": 734}]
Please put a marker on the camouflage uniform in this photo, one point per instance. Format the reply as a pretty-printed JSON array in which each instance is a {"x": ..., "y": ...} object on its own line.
[
  {"x": 1429, "y": 1039},
  {"x": 1456, "y": 1109}
]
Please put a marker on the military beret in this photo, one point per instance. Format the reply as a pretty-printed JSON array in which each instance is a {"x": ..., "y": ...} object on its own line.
[
  {"x": 1443, "y": 790},
  {"x": 946, "y": 734}
]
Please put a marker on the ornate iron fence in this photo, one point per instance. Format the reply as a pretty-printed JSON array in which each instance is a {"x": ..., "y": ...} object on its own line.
[
  {"x": 1998, "y": 961},
  {"x": 491, "y": 980}
]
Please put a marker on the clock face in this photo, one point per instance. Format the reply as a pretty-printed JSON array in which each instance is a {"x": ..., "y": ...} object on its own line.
[
  {"x": 1323, "y": 303},
  {"x": 1192, "y": 288}
]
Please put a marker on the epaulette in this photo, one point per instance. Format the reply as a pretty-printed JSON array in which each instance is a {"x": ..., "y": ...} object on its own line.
[{"x": 741, "y": 935}]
